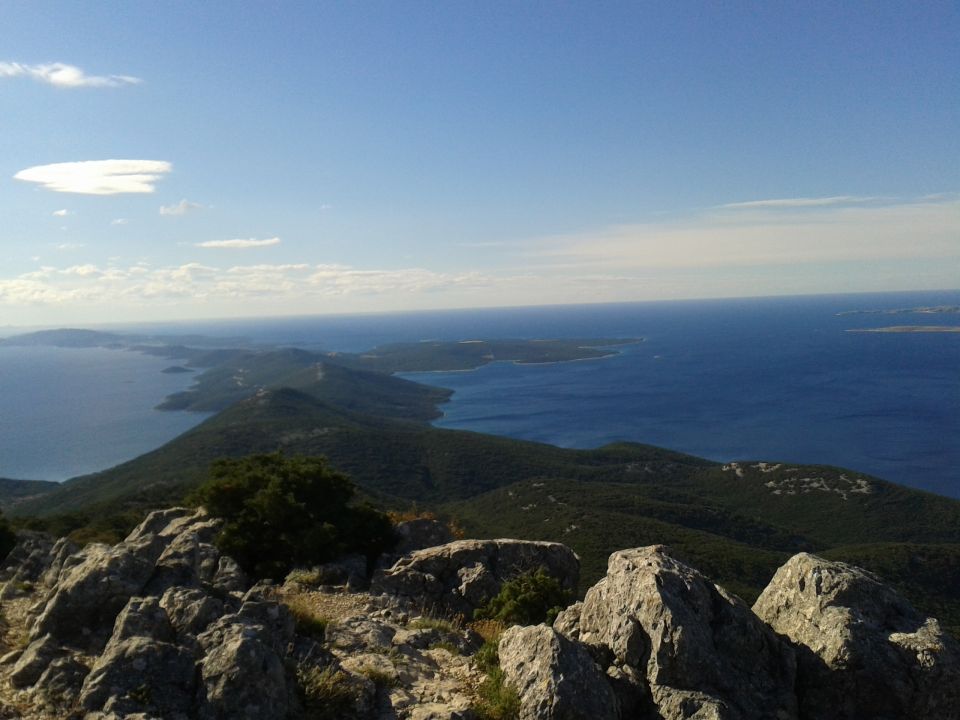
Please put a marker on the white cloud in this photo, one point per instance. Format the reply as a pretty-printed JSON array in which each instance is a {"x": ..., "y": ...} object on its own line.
[
  {"x": 119, "y": 221},
  {"x": 753, "y": 237},
  {"x": 180, "y": 208},
  {"x": 69, "y": 246},
  {"x": 61, "y": 213},
  {"x": 98, "y": 177},
  {"x": 800, "y": 202},
  {"x": 63, "y": 75},
  {"x": 292, "y": 282},
  {"x": 239, "y": 244}
]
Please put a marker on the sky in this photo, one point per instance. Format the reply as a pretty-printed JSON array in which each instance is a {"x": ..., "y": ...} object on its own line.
[{"x": 178, "y": 160}]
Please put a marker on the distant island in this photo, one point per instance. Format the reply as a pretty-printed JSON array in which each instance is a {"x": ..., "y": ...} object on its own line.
[
  {"x": 909, "y": 329},
  {"x": 176, "y": 370},
  {"x": 932, "y": 310}
]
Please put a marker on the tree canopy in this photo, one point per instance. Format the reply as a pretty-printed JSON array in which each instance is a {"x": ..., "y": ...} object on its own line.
[{"x": 281, "y": 512}]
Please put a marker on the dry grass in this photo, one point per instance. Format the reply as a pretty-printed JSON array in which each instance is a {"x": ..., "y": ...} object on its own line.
[{"x": 489, "y": 630}]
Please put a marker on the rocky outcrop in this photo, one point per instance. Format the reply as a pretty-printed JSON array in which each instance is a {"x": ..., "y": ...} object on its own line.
[
  {"x": 863, "y": 650},
  {"x": 156, "y": 624},
  {"x": 459, "y": 577},
  {"x": 555, "y": 678},
  {"x": 162, "y": 625},
  {"x": 671, "y": 639}
]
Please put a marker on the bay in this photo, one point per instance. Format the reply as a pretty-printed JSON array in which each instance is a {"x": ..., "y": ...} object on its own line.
[{"x": 69, "y": 411}]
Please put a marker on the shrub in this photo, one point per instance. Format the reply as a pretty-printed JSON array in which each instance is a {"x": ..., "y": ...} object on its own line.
[
  {"x": 527, "y": 599},
  {"x": 282, "y": 512},
  {"x": 496, "y": 700}
]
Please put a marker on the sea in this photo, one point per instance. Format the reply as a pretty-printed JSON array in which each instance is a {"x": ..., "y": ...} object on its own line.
[{"x": 775, "y": 379}]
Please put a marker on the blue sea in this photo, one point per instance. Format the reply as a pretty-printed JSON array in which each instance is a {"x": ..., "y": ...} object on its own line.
[{"x": 752, "y": 379}]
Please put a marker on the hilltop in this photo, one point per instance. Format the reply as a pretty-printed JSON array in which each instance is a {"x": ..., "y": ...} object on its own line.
[{"x": 166, "y": 625}]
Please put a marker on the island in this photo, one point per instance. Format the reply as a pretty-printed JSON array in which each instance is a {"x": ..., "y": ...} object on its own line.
[
  {"x": 931, "y": 310},
  {"x": 909, "y": 329}
]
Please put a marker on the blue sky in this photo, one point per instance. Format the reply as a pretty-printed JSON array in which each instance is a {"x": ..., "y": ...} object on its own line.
[{"x": 309, "y": 157}]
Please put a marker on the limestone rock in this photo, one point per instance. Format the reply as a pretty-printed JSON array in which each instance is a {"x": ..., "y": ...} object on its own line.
[
  {"x": 555, "y": 677},
  {"x": 700, "y": 650},
  {"x": 34, "y": 660},
  {"x": 137, "y": 674},
  {"x": 190, "y": 610},
  {"x": 242, "y": 676},
  {"x": 461, "y": 576},
  {"x": 863, "y": 650},
  {"x": 567, "y": 622},
  {"x": 61, "y": 681},
  {"x": 25, "y": 563}
]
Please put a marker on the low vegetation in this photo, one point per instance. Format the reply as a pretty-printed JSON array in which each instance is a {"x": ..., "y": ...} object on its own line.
[
  {"x": 328, "y": 694},
  {"x": 527, "y": 599},
  {"x": 496, "y": 700},
  {"x": 280, "y": 512}
]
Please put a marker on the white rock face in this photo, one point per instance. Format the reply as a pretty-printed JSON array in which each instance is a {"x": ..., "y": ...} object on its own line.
[
  {"x": 461, "y": 576},
  {"x": 700, "y": 652},
  {"x": 863, "y": 650},
  {"x": 555, "y": 678}
]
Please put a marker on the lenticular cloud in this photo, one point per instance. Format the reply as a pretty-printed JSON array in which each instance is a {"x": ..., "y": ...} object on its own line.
[
  {"x": 98, "y": 177},
  {"x": 63, "y": 75}
]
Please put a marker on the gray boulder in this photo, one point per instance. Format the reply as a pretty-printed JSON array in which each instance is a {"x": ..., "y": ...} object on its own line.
[
  {"x": 863, "y": 650},
  {"x": 34, "y": 660},
  {"x": 461, "y": 576},
  {"x": 60, "y": 683},
  {"x": 138, "y": 674},
  {"x": 658, "y": 623},
  {"x": 190, "y": 610},
  {"x": 26, "y": 563},
  {"x": 169, "y": 548},
  {"x": 241, "y": 676},
  {"x": 555, "y": 678},
  {"x": 81, "y": 611}
]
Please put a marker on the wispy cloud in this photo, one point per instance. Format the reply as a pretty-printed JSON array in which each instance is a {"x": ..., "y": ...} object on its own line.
[
  {"x": 98, "y": 177},
  {"x": 180, "y": 208},
  {"x": 752, "y": 238},
  {"x": 63, "y": 76},
  {"x": 801, "y": 202},
  {"x": 60, "y": 213},
  {"x": 293, "y": 282},
  {"x": 119, "y": 221},
  {"x": 239, "y": 244}
]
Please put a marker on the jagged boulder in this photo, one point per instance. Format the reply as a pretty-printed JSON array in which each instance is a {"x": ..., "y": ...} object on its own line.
[
  {"x": 242, "y": 674},
  {"x": 34, "y": 660},
  {"x": 671, "y": 638},
  {"x": 556, "y": 678},
  {"x": 139, "y": 674},
  {"x": 863, "y": 650},
  {"x": 459, "y": 577}
]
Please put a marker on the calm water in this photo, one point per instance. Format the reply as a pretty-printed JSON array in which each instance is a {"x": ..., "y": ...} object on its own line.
[
  {"x": 66, "y": 412},
  {"x": 775, "y": 379}
]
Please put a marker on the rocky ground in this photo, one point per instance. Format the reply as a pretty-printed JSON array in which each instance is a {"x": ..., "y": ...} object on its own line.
[{"x": 162, "y": 626}]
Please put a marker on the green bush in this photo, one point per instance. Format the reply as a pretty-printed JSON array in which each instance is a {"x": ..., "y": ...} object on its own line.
[
  {"x": 282, "y": 512},
  {"x": 496, "y": 700},
  {"x": 527, "y": 599}
]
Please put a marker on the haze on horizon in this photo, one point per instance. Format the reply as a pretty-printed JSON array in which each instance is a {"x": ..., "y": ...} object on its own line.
[{"x": 219, "y": 159}]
